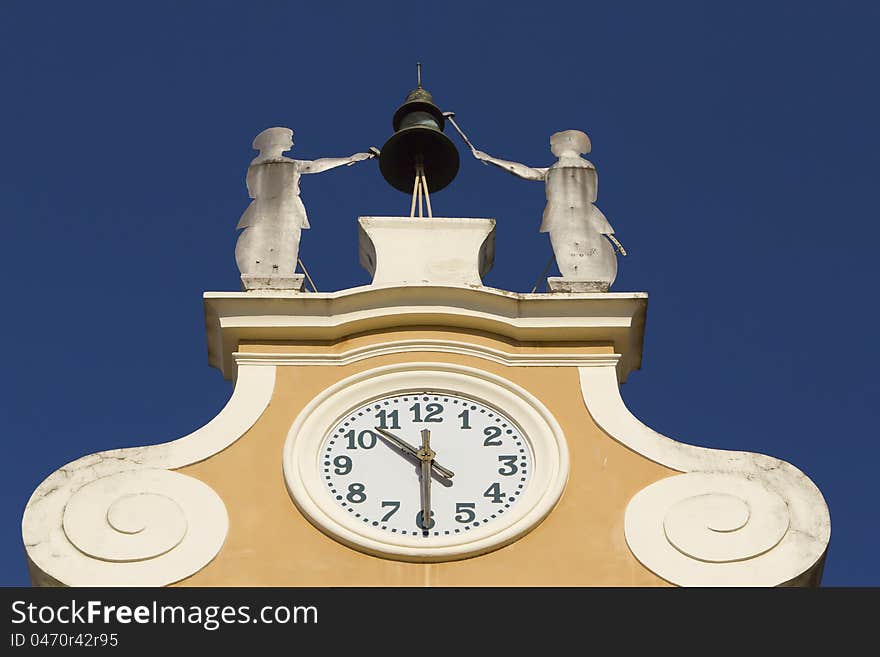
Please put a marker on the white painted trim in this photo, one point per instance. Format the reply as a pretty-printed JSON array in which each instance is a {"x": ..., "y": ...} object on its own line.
[
  {"x": 499, "y": 356},
  {"x": 253, "y": 390},
  {"x": 613, "y": 317},
  {"x": 733, "y": 518},
  {"x": 122, "y": 518},
  {"x": 303, "y": 475}
]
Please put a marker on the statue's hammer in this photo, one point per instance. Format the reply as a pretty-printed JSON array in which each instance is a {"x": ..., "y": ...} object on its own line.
[{"x": 467, "y": 141}]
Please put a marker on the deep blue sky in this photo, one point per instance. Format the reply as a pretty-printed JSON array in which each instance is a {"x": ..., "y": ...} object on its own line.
[{"x": 738, "y": 150}]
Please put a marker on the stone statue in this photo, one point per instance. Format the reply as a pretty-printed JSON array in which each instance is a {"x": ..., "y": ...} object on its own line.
[
  {"x": 268, "y": 248},
  {"x": 578, "y": 229}
]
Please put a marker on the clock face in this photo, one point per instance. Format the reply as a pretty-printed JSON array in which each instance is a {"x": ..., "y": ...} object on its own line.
[
  {"x": 369, "y": 468},
  {"x": 368, "y": 455}
]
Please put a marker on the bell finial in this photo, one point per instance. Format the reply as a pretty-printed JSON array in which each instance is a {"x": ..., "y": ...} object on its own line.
[{"x": 419, "y": 93}]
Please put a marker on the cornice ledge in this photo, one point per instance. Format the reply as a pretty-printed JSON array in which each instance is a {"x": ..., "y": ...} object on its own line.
[
  {"x": 122, "y": 517},
  {"x": 499, "y": 356},
  {"x": 615, "y": 317},
  {"x": 730, "y": 519}
]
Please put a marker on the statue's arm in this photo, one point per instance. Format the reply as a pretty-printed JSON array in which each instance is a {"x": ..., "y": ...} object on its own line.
[
  {"x": 517, "y": 169},
  {"x": 326, "y": 163}
]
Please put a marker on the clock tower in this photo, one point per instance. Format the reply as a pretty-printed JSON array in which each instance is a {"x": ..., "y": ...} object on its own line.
[{"x": 425, "y": 429}]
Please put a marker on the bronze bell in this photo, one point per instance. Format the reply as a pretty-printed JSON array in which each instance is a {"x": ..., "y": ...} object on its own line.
[{"x": 418, "y": 140}]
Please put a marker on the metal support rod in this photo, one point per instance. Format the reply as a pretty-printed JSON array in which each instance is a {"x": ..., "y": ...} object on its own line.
[
  {"x": 543, "y": 273},
  {"x": 412, "y": 208},
  {"x": 425, "y": 188},
  {"x": 306, "y": 272},
  {"x": 419, "y": 190}
]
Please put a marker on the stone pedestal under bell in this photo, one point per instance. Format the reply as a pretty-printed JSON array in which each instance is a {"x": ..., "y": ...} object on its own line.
[{"x": 435, "y": 251}]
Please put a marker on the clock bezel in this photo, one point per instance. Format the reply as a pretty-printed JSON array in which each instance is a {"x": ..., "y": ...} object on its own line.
[{"x": 302, "y": 469}]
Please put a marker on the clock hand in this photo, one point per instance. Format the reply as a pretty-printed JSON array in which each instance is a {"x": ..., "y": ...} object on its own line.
[
  {"x": 414, "y": 451},
  {"x": 399, "y": 442},
  {"x": 426, "y": 456}
]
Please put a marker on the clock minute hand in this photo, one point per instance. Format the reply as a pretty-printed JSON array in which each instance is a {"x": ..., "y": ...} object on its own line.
[
  {"x": 414, "y": 451},
  {"x": 426, "y": 456}
]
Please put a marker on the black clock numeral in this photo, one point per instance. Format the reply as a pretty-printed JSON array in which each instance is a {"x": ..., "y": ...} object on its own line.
[
  {"x": 366, "y": 439},
  {"x": 465, "y": 416},
  {"x": 383, "y": 418},
  {"x": 433, "y": 410},
  {"x": 356, "y": 493},
  {"x": 494, "y": 493},
  {"x": 464, "y": 512},
  {"x": 396, "y": 508},
  {"x": 492, "y": 437},
  {"x": 343, "y": 465},
  {"x": 420, "y": 521},
  {"x": 509, "y": 466}
]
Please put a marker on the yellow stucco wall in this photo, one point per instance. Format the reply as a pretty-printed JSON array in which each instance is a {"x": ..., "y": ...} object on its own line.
[{"x": 580, "y": 543}]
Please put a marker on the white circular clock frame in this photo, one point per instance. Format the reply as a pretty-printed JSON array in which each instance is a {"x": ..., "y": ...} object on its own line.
[{"x": 303, "y": 470}]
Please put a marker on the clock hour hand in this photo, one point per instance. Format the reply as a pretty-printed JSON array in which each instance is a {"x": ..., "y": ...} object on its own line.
[{"x": 414, "y": 451}]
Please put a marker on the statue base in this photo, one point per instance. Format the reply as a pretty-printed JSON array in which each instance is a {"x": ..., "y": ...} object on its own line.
[
  {"x": 562, "y": 284},
  {"x": 254, "y": 282}
]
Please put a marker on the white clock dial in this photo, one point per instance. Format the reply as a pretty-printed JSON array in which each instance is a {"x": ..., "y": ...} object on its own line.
[
  {"x": 380, "y": 485},
  {"x": 495, "y": 458}
]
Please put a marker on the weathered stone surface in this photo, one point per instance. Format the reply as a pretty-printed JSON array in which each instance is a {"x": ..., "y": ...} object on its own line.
[
  {"x": 292, "y": 282},
  {"x": 436, "y": 251},
  {"x": 562, "y": 284}
]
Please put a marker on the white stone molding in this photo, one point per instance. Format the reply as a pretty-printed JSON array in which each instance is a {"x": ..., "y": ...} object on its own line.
[
  {"x": 303, "y": 475},
  {"x": 731, "y": 519},
  {"x": 616, "y": 318},
  {"x": 502, "y": 357},
  {"x": 122, "y": 518}
]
